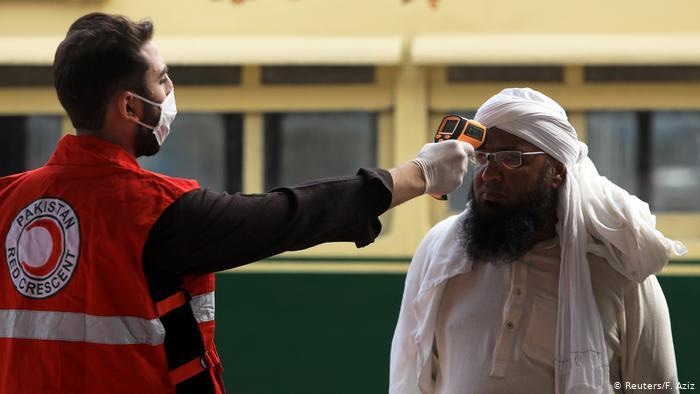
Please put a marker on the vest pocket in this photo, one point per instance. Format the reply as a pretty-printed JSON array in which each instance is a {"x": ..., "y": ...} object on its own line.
[{"x": 541, "y": 330}]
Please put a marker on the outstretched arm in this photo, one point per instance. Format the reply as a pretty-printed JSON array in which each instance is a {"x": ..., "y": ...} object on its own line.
[{"x": 204, "y": 231}]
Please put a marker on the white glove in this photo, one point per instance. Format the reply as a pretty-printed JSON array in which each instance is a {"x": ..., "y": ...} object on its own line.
[{"x": 444, "y": 165}]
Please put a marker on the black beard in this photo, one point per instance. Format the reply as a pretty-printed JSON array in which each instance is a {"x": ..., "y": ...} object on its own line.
[
  {"x": 145, "y": 142},
  {"x": 504, "y": 234}
]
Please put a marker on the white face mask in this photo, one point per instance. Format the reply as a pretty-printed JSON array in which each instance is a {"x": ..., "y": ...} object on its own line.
[{"x": 168, "y": 110}]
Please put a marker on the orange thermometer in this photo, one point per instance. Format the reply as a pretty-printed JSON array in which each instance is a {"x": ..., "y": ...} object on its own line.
[{"x": 456, "y": 127}]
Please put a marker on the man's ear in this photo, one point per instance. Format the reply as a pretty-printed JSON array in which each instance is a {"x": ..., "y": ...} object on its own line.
[
  {"x": 126, "y": 102},
  {"x": 558, "y": 174}
]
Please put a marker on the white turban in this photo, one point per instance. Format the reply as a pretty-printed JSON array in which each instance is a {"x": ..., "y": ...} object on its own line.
[{"x": 596, "y": 216}]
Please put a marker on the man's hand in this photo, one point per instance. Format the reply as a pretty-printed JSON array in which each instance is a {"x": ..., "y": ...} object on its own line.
[{"x": 437, "y": 169}]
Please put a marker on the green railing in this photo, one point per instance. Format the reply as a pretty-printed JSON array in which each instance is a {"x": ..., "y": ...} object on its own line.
[{"x": 329, "y": 333}]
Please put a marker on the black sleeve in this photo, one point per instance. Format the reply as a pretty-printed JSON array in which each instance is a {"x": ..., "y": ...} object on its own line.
[{"x": 205, "y": 231}]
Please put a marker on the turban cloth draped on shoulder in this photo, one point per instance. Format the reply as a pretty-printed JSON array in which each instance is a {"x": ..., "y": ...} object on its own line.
[{"x": 594, "y": 215}]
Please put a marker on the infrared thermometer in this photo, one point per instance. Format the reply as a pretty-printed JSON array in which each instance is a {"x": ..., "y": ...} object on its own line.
[{"x": 456, "y": 127}]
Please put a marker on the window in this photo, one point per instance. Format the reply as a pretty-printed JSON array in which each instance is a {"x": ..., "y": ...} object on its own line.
[
  {"x": 295, "y": 75},
  {"x": 497, "y": 73},
  {"x": 206, "y": 147},
  {"x": 654, "y": 155},
  {"x": 25, "y": 75},
  {"x": 635, "y": 73},
  {"x": 613, "y": 144},
  {"x": 189, "y": 75},
  {"x": 27, "y": 142},
  {"x": 306, "y": 146}
]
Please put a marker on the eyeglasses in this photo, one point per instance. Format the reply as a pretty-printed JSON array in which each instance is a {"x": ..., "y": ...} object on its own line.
[{"x": 505, "y": 158}]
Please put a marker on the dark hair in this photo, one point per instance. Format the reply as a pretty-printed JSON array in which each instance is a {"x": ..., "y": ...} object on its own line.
[{"x": 99, "y": 56}]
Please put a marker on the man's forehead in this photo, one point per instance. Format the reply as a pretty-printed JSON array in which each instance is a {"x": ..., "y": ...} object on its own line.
[
  {"x": 497, "y": 139},
  {"x": 155, "y": 60}
]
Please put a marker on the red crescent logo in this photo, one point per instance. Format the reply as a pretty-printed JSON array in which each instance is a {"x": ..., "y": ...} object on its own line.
[
  {"x": 42, "y": 248},
  {"x": 56, "y": 248}
]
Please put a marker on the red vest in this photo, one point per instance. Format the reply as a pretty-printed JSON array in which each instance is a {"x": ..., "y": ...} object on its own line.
[{"x": 76, "y": 315}]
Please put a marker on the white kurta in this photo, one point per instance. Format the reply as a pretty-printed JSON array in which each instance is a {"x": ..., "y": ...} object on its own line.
[{"x": 493, "y": 329}]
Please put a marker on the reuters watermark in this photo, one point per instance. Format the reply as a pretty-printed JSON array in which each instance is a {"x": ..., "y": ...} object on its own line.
[{"x": 654, "y": 386}]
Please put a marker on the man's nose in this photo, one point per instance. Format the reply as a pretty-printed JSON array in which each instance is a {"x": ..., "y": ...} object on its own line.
[
  {"x": 491, "y": 172},
  {"x": 170, "y": 85}
]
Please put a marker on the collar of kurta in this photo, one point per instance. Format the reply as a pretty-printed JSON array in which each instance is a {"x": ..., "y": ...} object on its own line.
[
  {"x": 89, "y": 150},
  {"x": 448, "y": 257}
]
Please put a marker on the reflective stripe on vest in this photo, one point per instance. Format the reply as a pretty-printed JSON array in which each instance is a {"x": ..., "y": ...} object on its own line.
[
  {"x": 80, "y": 327},
  {"x": 203, "y": 307}
]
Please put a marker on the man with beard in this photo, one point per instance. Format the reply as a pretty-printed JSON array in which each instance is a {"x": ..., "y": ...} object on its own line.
[
  {"x": 106, "y": 280},
  {"x": 502, "y": 232},
  {"x": 545, "y": 282}
]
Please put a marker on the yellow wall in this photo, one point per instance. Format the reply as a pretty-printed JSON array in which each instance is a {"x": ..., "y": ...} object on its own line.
[
  {"x": 352, "y": 17},
  {"x": 409, "y": 92}
]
